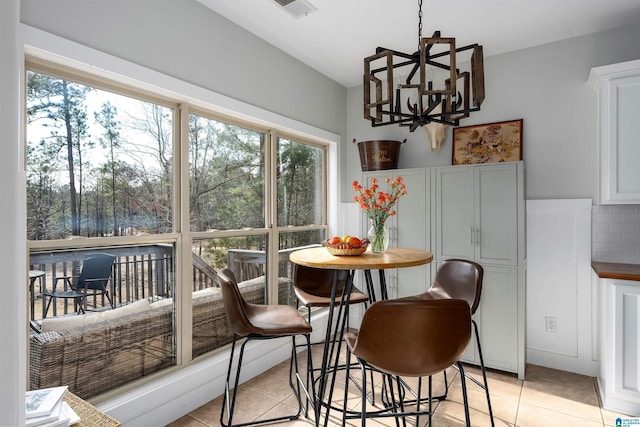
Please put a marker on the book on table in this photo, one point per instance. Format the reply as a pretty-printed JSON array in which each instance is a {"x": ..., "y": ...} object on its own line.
[
  {"x": 43, "y": 406},
  {"x": 70, "y": 414},
  {"x": 65, "y": 417}
]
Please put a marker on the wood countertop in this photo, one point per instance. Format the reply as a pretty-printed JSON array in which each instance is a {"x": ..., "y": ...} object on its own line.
[{"x": 613, "y": 270}]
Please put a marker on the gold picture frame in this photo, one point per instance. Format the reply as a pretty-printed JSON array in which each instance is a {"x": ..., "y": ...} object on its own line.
[{"x": 487, "y": 143}]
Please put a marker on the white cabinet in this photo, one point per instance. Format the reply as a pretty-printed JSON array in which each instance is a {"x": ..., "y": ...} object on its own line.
[
  {"x": 619, "y": 345},
  {"x": 618, "y": 88},
  {"x": 477, "y": 213},
  {"x": 410, "y": 228},
  {"x": 479, "y": 216},
  {"x": 473, "y": 212}
]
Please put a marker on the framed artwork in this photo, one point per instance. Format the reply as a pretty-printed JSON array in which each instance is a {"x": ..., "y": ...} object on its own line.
[{"x": 487, "y": 143}]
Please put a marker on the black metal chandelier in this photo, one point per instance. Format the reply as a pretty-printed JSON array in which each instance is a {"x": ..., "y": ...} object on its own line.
[{"x": 423, "y": 87}]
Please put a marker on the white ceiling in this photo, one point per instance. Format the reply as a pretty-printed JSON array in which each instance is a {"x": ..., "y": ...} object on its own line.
[{"x": 337, "y": 37}]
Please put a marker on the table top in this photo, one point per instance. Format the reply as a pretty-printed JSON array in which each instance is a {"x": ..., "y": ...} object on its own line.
[
  {"x": 35, "y": 273},
  {"x": 320, "y": 257}
]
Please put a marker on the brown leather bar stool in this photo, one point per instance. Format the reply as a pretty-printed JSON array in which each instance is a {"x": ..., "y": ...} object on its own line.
[
  {"x": 410, "y": 338},
  {"x": 312, "y": 287},
  {"x": 462, "y": 279},
  {"x": 255, "y": 321}
]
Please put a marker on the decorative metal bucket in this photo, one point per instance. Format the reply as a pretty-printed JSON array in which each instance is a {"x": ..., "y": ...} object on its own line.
[{"x": 379, "y": 154}]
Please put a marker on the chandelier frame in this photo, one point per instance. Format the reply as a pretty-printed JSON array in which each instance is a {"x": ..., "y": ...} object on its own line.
[{"x": 461, "y": 93}]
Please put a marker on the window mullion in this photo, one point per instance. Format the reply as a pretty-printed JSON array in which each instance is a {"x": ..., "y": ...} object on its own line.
[
  {"x": 272, "y": 215},
  {"x": 184, "y": 312}
]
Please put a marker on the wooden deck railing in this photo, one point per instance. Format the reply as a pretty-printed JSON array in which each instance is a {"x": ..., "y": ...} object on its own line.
[
  {"x": 143, "y": 271},
  {"x": 139, "y": 271}
]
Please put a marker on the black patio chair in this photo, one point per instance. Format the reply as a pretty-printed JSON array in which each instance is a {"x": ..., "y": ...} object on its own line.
[{"x": 92, "y": 281}]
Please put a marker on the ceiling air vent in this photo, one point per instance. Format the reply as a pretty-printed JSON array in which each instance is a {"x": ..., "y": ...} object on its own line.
[{"x": 297, "y": 8}]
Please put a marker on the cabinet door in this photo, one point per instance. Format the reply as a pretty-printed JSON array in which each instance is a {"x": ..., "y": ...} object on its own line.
[
  {"x": 411, "y": 229},
  {"x": 496, "y": 214},
  {"x": 619, "y": 342},
  {"x": 497, "y": 317},
  {"x": 497, "y": 320},
  {"x": 454, "y": 212},
  {"x": 626, "y": 350},
  {"x": 619, "y": 148}
]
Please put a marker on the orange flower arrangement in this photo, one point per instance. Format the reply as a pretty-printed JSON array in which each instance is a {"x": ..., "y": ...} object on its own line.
[{"x": 379, "y": 206}]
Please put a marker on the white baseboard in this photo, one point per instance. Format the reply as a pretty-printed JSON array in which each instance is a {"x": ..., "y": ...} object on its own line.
[
  {"x": 175, "y": 395},
  {"x": 562, "y": 362}
]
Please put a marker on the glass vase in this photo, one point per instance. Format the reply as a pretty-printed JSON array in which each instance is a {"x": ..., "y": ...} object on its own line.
[{"x": 378, "y": 236}]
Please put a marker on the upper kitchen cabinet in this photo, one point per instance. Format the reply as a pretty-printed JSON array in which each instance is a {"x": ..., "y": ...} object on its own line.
[{"x": 618, "y": 88}]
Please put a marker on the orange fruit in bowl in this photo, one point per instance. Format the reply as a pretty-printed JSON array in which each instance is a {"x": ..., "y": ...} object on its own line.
[
  {"x": 354, "y": 242},
  {"x": 334, "y": 240}
]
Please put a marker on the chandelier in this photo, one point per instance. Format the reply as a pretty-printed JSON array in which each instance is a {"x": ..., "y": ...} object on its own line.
[{"x": 426, "y": 86}]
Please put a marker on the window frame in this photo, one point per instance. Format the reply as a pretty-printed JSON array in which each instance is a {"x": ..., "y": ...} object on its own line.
[{"x": 64, "y": 59}]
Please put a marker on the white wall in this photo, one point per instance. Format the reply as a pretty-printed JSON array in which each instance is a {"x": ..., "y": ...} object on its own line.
[{"x": 13, "y": 304}]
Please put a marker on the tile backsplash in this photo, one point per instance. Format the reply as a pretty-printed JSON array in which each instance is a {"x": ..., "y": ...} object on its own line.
[{"x": 615, "y": 233}]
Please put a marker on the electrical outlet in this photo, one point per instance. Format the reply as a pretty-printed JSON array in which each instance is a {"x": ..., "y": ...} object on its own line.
[{"x": 551, "y": 324}]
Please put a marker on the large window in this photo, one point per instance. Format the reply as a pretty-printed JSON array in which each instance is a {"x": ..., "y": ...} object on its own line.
[{"x": 109, "y": 169}]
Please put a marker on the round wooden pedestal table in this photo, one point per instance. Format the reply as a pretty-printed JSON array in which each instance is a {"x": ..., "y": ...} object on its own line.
[{"x": 319, "y": 257}]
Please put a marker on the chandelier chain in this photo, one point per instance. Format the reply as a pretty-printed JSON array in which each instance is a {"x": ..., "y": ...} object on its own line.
[{"x": 419, "y": 23}]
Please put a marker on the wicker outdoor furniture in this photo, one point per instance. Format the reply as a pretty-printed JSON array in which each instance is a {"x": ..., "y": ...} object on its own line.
[{"x": 95, "y": 357}]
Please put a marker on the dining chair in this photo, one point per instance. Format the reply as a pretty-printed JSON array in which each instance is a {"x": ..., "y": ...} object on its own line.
[
  {"x": 462, "y": 279},
  {"x": 92, "y": 281},
  {"x": 259, "y": 322},
  {"x": 406, "y": 338}
]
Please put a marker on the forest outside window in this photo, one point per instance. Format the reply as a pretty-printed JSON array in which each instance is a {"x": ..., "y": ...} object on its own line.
[
  {"x": 301, "y": 183},
  {"x": 98, "y": 164},
  {"x": 226, "y": 175}
]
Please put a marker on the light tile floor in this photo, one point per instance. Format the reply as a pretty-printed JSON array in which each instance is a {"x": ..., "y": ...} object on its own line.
[{"x": 546, "y": 398}]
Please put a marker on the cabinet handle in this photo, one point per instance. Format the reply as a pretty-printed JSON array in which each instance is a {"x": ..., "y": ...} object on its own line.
[
  {"x": 477, "y": 237},
  {"x": 472, "y": 236}
]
